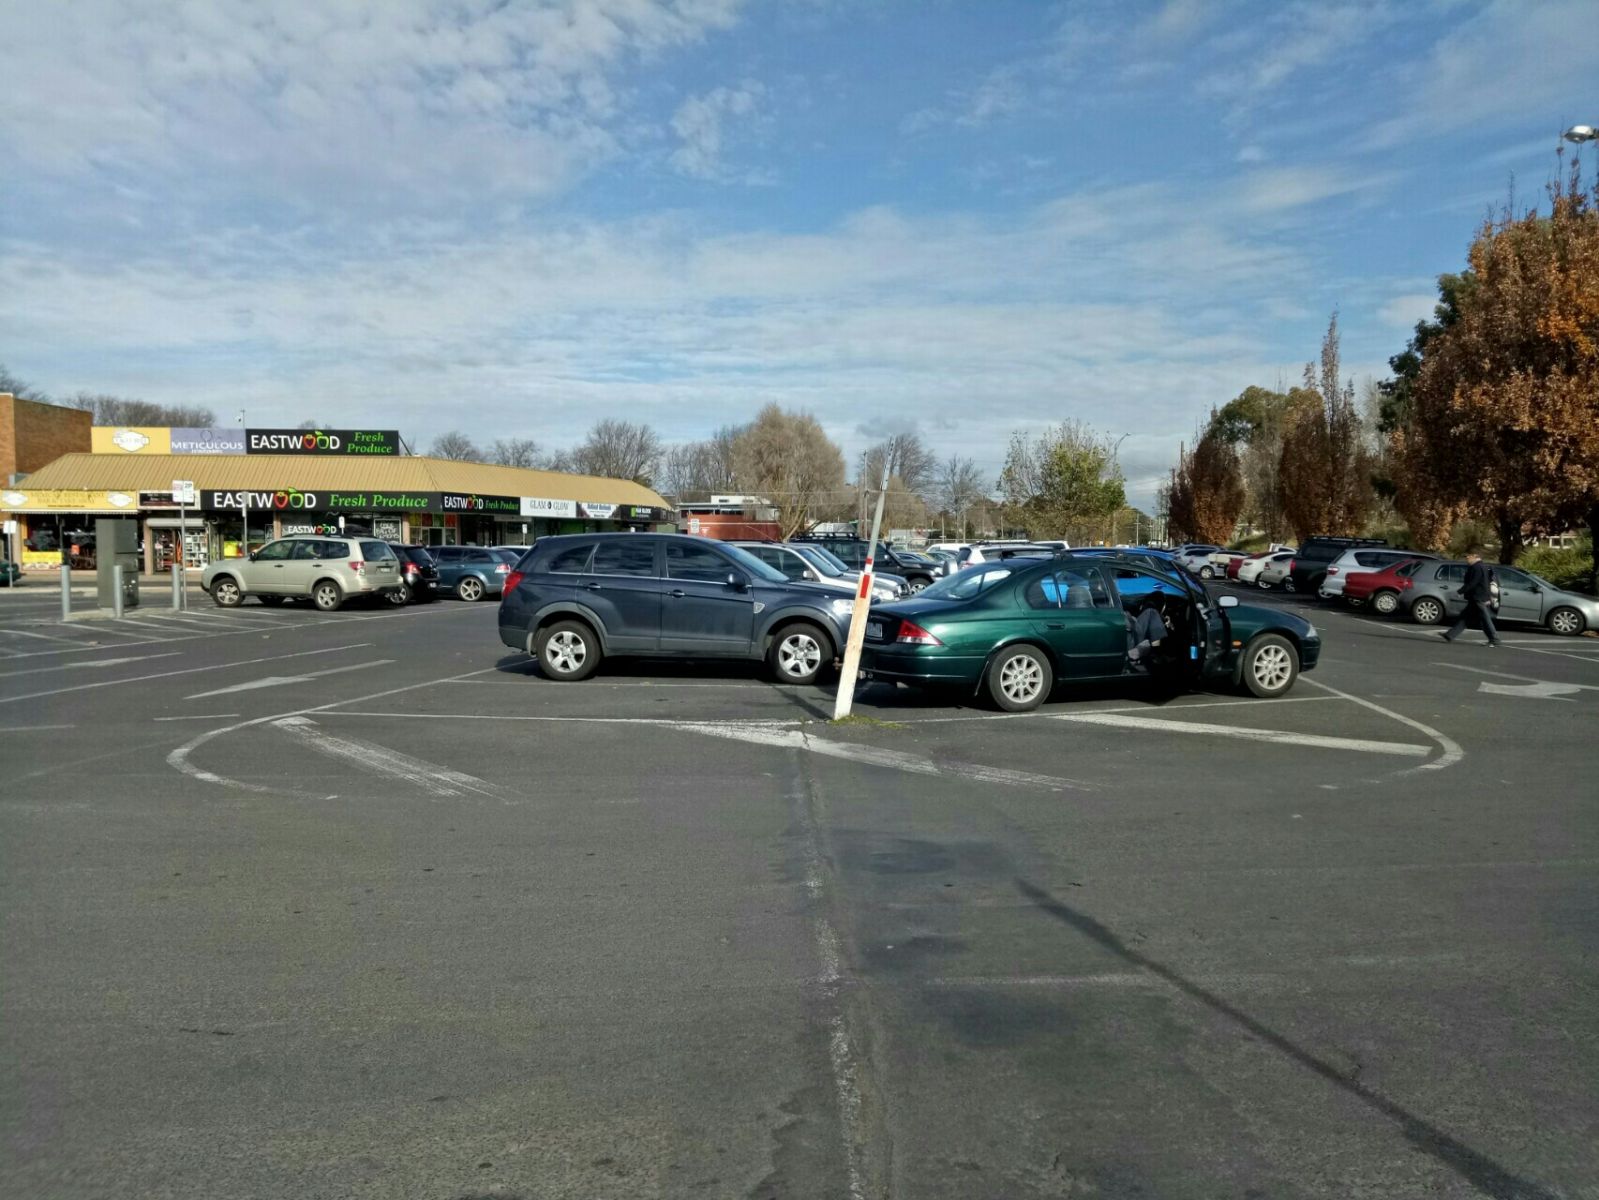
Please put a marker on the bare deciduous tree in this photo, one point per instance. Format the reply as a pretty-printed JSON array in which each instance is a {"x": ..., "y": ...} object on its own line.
[
  {"x": 455, "y": 445},
  {"x": 116, "y": 410},
  {"x": 619, "y": 450},
  {"x": 911, "y": 462},
  {"x": 697, "y": 470},
  {"x": 960, "y": 486},
  {"x": 515, "y": 452},
  {"x": 20, "y": 388}
]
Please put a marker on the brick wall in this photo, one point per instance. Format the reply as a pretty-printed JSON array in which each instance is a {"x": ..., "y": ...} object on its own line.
[{"x": 33, "y": 434}]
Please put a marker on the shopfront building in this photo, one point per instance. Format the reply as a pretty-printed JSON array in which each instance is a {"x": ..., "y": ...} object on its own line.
[{"x": 247, "y": 500}]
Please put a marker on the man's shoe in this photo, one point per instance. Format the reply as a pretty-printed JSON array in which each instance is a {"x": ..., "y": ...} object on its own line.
[
  {"x": 1493, "y": 645},
  {"x": 1447, "y": 638}
]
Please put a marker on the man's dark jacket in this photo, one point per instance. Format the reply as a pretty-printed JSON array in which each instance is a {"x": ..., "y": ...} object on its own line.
[{"x": 1475, "y": 587}]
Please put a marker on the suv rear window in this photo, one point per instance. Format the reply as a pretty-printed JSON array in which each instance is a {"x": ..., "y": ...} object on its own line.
[{"x": 376, "y": 551}]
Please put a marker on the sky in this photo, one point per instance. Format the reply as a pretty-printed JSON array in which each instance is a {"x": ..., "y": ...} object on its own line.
[{"x": 961, "y": 218}]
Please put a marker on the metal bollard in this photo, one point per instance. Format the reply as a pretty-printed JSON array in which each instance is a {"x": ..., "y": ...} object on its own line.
[
  {"x": 116, "y": 595},
  {"x": 66, "y": 590},
  {"x": 177, "y": 591}
]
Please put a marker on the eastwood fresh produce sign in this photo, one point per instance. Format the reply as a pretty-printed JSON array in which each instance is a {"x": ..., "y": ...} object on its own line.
[
  {"x": 322, "y": 441},
  {"x": 319, "y": 500}
]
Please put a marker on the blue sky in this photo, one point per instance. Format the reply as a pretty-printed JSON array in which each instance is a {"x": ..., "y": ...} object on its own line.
[{"x": 959, "y": 218}]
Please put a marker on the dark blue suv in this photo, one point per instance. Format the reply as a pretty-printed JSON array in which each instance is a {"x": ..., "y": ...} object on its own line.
[{"x": 574, "y": 599}]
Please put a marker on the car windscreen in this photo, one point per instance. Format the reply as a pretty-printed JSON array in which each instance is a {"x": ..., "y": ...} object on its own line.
[
  {"x": 822, "y": 552},
  {"x": 820, "y": 559},
  {"x": 755, "y": 566},
  {"x": 971, "y": 582}
]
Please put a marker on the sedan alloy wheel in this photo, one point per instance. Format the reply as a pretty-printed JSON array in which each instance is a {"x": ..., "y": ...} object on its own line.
[{"x": 470, "y": 588}]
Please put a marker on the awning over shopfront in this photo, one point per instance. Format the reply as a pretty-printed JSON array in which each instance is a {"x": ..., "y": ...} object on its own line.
[{"x": 299, "y": 483}]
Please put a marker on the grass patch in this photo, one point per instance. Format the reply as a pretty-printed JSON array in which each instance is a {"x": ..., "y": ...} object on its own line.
[{"x": 868, "y": 722}]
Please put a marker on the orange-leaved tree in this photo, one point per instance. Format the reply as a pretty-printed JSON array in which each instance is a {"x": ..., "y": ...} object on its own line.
[
  {"x": 1324, "y": 480},
  {"x": 1503, "y": 413}
]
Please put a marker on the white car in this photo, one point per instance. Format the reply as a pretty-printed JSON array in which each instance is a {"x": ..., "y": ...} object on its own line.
[
  {"x": 1275, "y": 572},
  {"x": 1196, "y": 558},
  {"x": 1250, "y": 569},
  {"x": 324, "y": 570},
  {"x": 803, "y": 568},
  {"x": 1358, "y": 561}
]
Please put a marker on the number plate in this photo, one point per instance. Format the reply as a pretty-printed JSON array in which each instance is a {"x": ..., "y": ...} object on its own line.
[{"x": 874, "y": 630}]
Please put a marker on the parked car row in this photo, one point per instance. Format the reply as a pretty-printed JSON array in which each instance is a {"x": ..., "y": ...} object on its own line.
[
  {"x": 1414, "y": 584},
  {"x": 1007, "y": 629},
  {"x": 330, "y": 571}
]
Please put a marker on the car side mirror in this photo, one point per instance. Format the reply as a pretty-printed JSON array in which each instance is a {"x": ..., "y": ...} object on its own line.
[
  {"x": 809, "y": 574},
  {"x": 737, "y": 582},
  {"x": 1228, "y": 602}
]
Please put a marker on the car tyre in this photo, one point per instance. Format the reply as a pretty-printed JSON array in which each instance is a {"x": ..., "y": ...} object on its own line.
[
  {"x": 1264, "y": 586},
  {"x": 1270, "y": 666},
  {"x": 327, "y": 596},
  {"x": 916, "y": 583},
  {"x": 1567, "y": 622},
  {"x": 1427, "y": 611},
  {"x": 1019, "y": 678},
  {"x": 225, "y": 592},
  {"x": 1288, "y": 585},
  {"x": 470, "y": 589},
  {"x": 799, "y": 653},
  {"x": 400, "y": 596},
  {"x": 1385, "y": 602},
  {"x": 568, "y": 651},
  {"x": 1207, "y": 573}
]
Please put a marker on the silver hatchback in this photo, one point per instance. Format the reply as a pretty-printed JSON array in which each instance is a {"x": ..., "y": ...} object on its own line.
[
  {"x": 326, "y": 571},
  {"x": 1434, "y": 594}
]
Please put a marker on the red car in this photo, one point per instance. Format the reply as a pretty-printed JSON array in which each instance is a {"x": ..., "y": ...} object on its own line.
[{"x": 1383, "y": 588}]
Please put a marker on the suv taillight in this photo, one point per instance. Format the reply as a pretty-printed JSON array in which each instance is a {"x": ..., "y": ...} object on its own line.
[
  {"x": 914, "y": 635},
  {"x": 511, "y": 580},
  {"x": 357, "y": 566},
  {"x": 1332, "y": 570}
]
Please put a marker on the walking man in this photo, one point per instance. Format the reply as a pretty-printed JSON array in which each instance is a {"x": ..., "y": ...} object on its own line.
[{"x": 1478, "y": 591}]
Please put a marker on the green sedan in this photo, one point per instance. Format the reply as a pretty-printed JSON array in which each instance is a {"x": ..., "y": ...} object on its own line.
[{"x": 1013, "y": 629}]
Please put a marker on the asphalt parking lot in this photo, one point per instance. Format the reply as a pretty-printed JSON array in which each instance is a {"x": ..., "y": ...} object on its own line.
[{"x": 359, "y": 905}]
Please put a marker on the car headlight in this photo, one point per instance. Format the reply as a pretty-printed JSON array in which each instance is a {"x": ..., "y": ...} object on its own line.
[{"x": 841, "y": 607}]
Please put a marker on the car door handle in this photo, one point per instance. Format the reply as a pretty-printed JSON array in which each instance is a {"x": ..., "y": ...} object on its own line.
[
  {"x": 277, "y": 566},
  {"x": 593, "y": 587},
  {"x": 1055, "y": 625},
  {"x": 677, "y": 593}
]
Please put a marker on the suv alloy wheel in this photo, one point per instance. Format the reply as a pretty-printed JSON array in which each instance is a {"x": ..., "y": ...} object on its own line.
[
  {"x": 799, "y": 654},
  {"x": 568, "y": 651},
  {"x": 470, "y": 588},
  {"x": 327, "y": 596},
  {"x": 225, "y": 592}
]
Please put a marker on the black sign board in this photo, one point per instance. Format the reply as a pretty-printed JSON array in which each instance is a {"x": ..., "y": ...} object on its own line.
[
  {"x": 322, "y": 441},
  {"x": 293, "y": 500}
]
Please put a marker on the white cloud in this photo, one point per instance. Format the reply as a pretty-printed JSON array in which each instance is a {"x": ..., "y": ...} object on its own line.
[
  {"x": 1100, "y": 304},
  {"x": 433, "y": 98},
  {"x": 1274, "y": 189},
  {"x": 1403, "y": 312},
  {"x": 1498, "y": 67},
  {"x": 699, "y": 124}
]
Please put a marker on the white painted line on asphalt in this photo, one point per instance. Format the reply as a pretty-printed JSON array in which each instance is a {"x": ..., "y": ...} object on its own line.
[
  {"x": 186, "y": 671},
  {"x": 430, "y": 777},
  {"x": 198, "y": 717},
  {"x": 49, "y": 637},
  {"x": 1321, "y": 741},
  {"x": 1176, "y": 706},
  {"x": 1452, "y": 752},
  {"x": 1576, "y": 687},
  {"x": 877, "y": 756},
  {"x": 179, "y": 759},
  {"x": 588, "y": 685},
  {"x": 79, "y": 666},
  {"x": 667, "y": 722},
  {"x": 280, "y": 680},
  {"x": 33, "y": 728}
]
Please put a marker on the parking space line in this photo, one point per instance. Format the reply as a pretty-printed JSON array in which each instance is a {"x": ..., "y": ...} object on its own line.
[
  {"x": 281, "y": 680},
  {"x": 1043, "y": 713},
  {"x": 79, "y": 666},
  {"x": 1452, "y": 750},
  {"x": 431, "y": 778},
  {"x": 169, "y": 674},
  {"x": 1587, "y": 687},
  {"x": 1321, "y": 741},
  {"x": 49, "y": 637}
]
